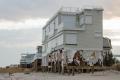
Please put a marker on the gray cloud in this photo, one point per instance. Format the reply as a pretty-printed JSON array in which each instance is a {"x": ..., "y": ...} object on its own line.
[
  {"x": 116, "y": 50},
  {"x": 15, "y": 42},
  {"x": 111, "y": 33},
  {"x": 20, "y": 36},
  {"x": 115, "y": 39},
  {"x": 20, "y": 9},
  {"x": 111, "y": 8}
]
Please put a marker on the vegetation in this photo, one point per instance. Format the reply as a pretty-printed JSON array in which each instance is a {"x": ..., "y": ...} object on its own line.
[{"x": 109, "y": 60}]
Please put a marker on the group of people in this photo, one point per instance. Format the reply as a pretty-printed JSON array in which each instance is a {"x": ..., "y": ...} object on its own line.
[{"x": 57, "y": 59}]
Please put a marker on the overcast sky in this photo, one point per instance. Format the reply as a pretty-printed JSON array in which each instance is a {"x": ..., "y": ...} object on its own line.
[{"x": 21, "y": 22}]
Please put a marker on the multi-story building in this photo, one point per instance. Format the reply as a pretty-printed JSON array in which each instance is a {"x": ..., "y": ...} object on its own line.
[
  {"x": 74, "y": 29},
  {"x": 32, "y": 60},
  {"x": 26, "y": 60},
  {"x": 107, "y": 45},
  {"x": 36, "y": 63}
]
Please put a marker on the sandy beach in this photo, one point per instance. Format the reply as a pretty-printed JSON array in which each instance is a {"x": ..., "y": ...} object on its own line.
[{"x": 106, "y": 75}]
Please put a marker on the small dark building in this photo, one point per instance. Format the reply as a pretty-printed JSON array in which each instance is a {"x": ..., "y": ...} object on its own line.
[{"x": 37, "y": 59}]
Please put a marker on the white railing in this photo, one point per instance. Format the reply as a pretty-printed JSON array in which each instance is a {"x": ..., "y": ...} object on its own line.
[
  {"x": 76, "y": 9},
  {"x": 70, "y": 9},
  {"x": 91, "y": 7}
]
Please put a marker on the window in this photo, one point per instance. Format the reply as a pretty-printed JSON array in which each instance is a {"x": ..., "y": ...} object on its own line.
[
  {"x": 82, "y": 20},
  {"x": 88, "y": 19},
  {"x": 59, "y": 19},
  {"x": 53, "y": 25},
  {"x": 71, "y": 39},
  {"x": 77, "y": 19},
  {"x": 98, "y": 34},
  {"x": 43, "y": 34},
  {"x": 47, "y": 30},
  {"x": 49, "y": 27}
]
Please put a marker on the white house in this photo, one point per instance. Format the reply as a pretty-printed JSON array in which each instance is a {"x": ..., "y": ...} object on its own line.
[
  {"x": 38, "y": 54},
  {"x": 26, "y": 60},
  {"x": 107, "y": 46},
  {"x": 74, "y": 29}
]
